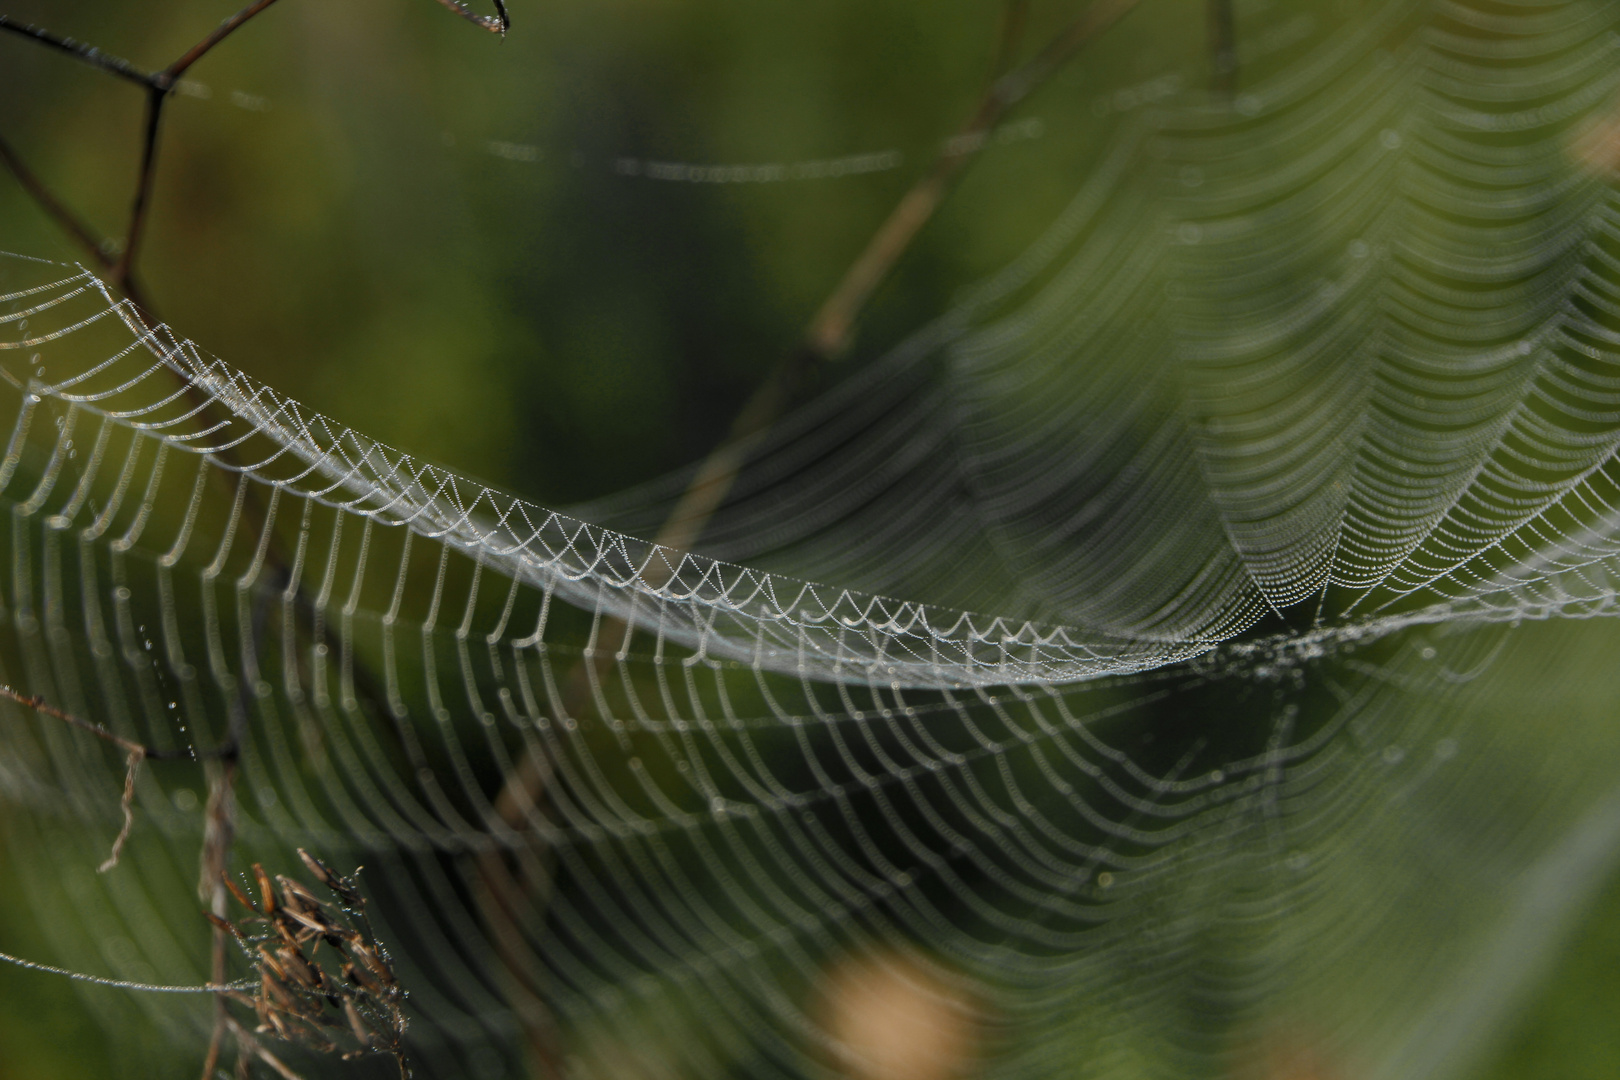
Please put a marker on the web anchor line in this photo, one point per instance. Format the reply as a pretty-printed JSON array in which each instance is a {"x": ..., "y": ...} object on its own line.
[{"x": 125, "y": 984}]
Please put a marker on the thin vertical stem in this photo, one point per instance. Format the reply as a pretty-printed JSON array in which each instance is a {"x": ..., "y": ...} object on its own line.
[{"x": 155, "y": 99}]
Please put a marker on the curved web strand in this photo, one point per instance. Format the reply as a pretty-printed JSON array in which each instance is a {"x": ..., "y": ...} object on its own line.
[{"x": 1338, "y": 335}]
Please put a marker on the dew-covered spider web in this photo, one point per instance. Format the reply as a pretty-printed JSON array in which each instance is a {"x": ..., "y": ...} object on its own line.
[{"x": 1175, "y": 660}]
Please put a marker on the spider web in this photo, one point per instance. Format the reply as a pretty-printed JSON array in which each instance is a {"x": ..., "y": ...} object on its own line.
[{"x": 1129, "y": 665}]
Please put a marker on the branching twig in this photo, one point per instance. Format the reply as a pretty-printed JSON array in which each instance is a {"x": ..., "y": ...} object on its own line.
[
  {"x": 829, "y": 332},
  {"x": 135, "y": 754},
  {"x": 172, "y": 73},
  {"x": 159, "y": 85}
]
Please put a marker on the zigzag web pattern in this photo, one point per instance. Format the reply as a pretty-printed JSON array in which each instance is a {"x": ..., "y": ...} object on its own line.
[{"x": 1122, "y": 669}]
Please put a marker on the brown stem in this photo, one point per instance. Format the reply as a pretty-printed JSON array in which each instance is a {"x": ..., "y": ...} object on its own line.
[
  {"x": 827, "y": 335},
  {"x": 173, "y": 72},
  {"x": 53, "y": 207},
  {"x": 127, "y": 805},
  {"x": 129, "y": 746},
  {"x": 830, "y": 330},
  {"x": 135, "y": 754},
  {"x": 219, "y": 832},
  {"x": 160, "y": 87},
  {"x": 258, "y": 1049},
  {"x": 1014, "y": 18}
]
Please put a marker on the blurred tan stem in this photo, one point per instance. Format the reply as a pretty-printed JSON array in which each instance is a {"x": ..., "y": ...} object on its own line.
[{"x": 503, "y": 898}]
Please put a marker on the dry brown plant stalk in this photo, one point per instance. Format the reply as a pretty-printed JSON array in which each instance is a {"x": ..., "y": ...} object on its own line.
[
  {"x": 135, "y": 754},
  {"x": 325, "y": 982}
]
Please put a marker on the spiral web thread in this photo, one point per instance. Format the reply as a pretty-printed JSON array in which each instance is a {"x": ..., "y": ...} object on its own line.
[{"x": 1200, "y": 708}]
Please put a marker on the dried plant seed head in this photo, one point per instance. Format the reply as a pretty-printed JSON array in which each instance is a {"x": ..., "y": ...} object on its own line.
[
  {"x": 317, "y": 868},
  {"x": 226, "y": 925},
  {"x": 241, "y": 897},
  {"x": 346, "y": 1002},
  {"x": 296, "y": 895},
  {"x": 362, "y": 1034},
  {"x": 264, "y": 889}
]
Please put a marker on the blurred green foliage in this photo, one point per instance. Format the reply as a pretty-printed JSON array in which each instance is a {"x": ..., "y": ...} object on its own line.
[{"x": 428, "y": 233}]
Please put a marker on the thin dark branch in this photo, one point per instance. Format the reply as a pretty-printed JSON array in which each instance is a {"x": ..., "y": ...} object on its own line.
[
  {"x": 91, "y": 55},
  {"x": 53, "y": 207},
  {"x": 173, "y": 72},
  {"x": 159, "y": 85},
  {"x": 135, "y": 754},
  {"x": 155, "y": 99},
  {"x": 70, "y": 223},
  {"x": 44, "y": 708}
]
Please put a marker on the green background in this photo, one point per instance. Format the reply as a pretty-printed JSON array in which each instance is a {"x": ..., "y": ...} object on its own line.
[{"x": 428, "y": 234}]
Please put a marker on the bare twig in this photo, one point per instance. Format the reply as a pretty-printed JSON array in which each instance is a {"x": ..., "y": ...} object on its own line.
[
  {"x": 134, "y": 751},
  {"x": 143, "y": 187},
  {"x": 219, "y": 832},
  {"x": 53, "y": 207},
  {"x": 41, "y": 706},
  {"x": 829, "y": 332},
  {"x": 126, "y": 804},
  {"x": 135, "y": 754},
  {"x": 91, "y": 55},
  {"x": 160, "y": 86},
  {"x": 172, "y": 73}
]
